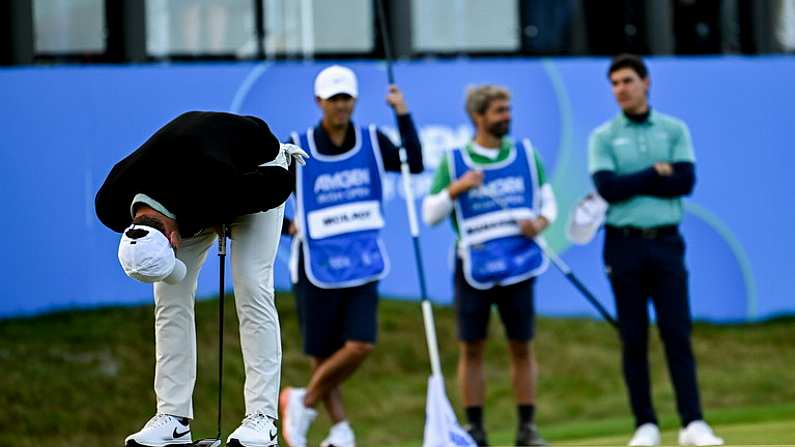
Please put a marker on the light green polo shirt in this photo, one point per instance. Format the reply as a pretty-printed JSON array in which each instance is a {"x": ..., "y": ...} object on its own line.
[{"x": 625, "y": 147}]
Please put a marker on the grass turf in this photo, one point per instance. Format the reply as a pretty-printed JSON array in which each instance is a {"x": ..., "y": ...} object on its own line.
[
  {"x": 756, "y": 434},
  {"x": 85, "y": 378}
]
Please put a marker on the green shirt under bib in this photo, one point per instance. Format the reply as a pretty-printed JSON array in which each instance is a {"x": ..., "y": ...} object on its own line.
[{"x": 625, "y": 147}]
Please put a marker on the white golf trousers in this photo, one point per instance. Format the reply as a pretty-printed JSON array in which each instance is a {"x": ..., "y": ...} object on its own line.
[{"x": 254, "y": 241}]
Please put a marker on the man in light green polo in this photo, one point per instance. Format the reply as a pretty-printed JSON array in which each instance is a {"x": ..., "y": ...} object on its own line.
[{"x": 642, "y": 164}]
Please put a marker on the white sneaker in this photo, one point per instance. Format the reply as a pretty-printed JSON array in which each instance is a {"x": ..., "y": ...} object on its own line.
[
  {"x": 296, "y": 418},
  {"x": 340, "y": 435},
  {"x": 256, "y": 430},
  {"x": 646, "y": 435},
  {"x": 162, "y": 430},
  {"x": 698, "y": 433}
]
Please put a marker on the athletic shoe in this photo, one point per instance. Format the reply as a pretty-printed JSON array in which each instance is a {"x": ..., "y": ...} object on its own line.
[
  {"x": 296, "y": 418},
  {"x": 698, "y": 433},
  {"x": 256, "y": 430},
  {"x": 478, "y": 434},
  {"x": 162, "y": 430},
  {"x": 527, "y": 434},
  {"x": 340, "y": 435},
  {"x": 647, "y": 434}
]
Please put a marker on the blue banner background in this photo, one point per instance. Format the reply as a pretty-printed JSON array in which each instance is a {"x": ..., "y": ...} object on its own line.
[{"x": 65, "y": 127}]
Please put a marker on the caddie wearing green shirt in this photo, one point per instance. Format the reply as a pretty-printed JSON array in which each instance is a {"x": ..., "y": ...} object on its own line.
[
  {"x": 495, "y": 192},
  {"x": 642, "y": 164}
]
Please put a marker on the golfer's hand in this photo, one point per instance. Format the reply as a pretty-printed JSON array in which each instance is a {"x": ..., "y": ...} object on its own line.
[
  {"x": 295, "y": 153},
  {"x": 471, "y": 179},
  {"x": 292, "y": 230},
  {"x": 664, "y": 169},
  {"x": 531, "y": 228},
  {"x": 395, "y": 99}
]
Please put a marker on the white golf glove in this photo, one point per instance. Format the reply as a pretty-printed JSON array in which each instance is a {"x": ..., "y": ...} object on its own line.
[
  {"x": 295, "y": 153},
  {"x": 586, "y": 218}
]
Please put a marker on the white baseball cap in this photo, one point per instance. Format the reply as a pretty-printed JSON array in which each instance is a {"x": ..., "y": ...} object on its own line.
[
  {"x": 586, "y": 218},
  {"x": 146, "y": 255},
  {"x": 335, "y": 80}
]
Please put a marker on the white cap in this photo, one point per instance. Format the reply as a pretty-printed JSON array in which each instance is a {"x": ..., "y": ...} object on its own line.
[
  {"x": 145, "y": 254},
  {"x": 335, "y": 80},
  {"x": 586, "y": 218}
]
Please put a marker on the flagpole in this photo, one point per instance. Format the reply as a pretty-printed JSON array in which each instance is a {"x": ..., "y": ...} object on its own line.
[
  {"x": 427, "y": 310},
  {"x": 405, "y": 173}
]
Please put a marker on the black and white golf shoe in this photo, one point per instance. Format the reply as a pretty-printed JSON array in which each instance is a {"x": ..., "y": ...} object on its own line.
[{"x": 162, "y": 430}]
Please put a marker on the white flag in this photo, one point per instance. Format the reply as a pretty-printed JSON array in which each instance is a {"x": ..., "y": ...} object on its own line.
[{"x": 441, "y": 425}]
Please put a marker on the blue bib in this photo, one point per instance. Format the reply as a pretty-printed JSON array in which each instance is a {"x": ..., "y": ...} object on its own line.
[
  {"x": 493, "y": 250},
  {"x": 340, "y": 214}
]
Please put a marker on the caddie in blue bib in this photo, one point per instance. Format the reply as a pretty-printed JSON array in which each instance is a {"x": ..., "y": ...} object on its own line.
[
  {"x": 340, "y": 214},
  {"x": 491, "y": 245}
]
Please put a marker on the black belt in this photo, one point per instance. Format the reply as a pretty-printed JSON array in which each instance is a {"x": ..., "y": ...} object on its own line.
[{"x": 646, "y": 233}]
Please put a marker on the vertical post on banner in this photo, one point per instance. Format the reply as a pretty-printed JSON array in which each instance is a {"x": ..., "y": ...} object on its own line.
[
  {"x": 405, "y": 173},
  {"x": 307, "y": 29}
]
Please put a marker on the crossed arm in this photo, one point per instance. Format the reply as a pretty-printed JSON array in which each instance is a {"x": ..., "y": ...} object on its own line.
[{"x": 665, "y": 180}]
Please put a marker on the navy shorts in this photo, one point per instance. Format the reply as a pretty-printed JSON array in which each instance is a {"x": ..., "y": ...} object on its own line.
[
  {"x": 473, "y": 308},
  {"x": 331, "y": 317}
]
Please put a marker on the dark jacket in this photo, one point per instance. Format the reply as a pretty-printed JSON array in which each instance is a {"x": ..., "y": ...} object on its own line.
[{"x": 203, "y": 167}]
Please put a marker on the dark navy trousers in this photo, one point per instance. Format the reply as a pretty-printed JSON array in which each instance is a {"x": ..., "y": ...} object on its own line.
[{"x": 643, "y": 265}]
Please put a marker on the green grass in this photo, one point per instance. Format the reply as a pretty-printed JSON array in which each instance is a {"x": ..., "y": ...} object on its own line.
[
  {"x": 750, "y": 425},
  {"x": 85, "y": 378},
  {"x": 779, "y": 432}
]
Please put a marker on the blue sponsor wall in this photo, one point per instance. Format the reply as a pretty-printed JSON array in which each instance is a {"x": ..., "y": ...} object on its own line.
[{"x": 65, "y": 127}]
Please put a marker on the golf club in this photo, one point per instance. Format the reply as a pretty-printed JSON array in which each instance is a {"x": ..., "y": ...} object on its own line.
[
  {"x": 216, "y": 442},
  {"x": 564, "y": 268}
]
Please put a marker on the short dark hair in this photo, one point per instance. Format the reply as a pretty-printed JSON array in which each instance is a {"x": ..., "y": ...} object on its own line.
[
  {"x": 150, "y": 221},
  {"x": 631, "y": 61}
]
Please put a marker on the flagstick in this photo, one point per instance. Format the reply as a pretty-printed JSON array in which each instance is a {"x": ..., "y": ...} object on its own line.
[
  {"x": 427, "y": 310},
  {"x": 405, "y": 173}
]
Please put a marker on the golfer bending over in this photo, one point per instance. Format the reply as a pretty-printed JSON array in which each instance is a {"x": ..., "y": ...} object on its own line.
[
  {"x": 495, "y": 192},
  {"x": 168, "y": 198}
]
